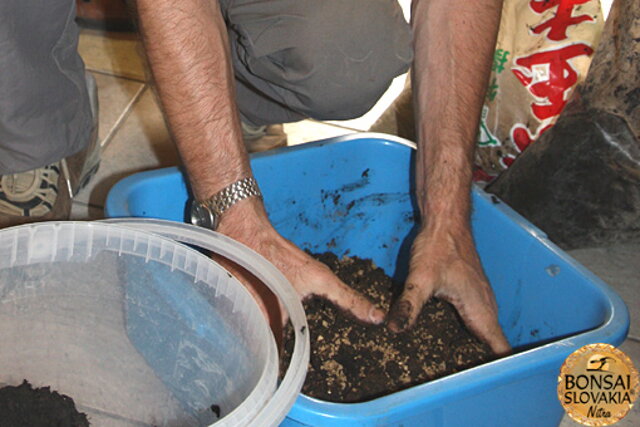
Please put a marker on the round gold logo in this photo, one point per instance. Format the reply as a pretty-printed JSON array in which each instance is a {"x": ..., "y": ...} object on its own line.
[{"x": 598, "y": 385}]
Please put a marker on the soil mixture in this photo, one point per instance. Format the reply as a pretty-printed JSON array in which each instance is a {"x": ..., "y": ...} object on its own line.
[
  {"x": 352, "y": 362},
  {"x": 25, "y": 406}
]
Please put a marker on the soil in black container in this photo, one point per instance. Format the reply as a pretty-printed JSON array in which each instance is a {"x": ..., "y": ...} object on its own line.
[
  {"x": 352, "y": 362},
  {"x": 25, "y": 406}
]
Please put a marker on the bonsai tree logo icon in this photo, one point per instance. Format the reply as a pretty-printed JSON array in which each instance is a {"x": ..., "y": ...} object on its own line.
[{"x": 599, "y": 363}]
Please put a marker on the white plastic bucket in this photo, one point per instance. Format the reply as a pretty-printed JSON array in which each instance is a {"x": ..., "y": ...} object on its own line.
[{"x": 142, "y": 330}]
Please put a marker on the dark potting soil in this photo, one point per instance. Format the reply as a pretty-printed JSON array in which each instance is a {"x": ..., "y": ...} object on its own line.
[
  {"x": 25, "y": 406},
  {"x": 353, "y": 362}
]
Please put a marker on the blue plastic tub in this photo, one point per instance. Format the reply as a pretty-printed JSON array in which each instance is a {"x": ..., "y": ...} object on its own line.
[{"x": 354, "y": 194}]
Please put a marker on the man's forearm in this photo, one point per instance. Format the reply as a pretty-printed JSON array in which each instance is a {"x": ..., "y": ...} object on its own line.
[
  {"x": 187, "y": 48},
  {"x": 454, "y": 42}
]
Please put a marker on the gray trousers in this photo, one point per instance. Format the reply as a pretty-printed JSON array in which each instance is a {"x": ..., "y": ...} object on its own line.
[{"x": 293, "y": 59}]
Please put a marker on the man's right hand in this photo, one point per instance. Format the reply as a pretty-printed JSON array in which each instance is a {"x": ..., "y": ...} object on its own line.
[
  {"x": 247, "y": 223},
  {"x": 188, "y": 49}
]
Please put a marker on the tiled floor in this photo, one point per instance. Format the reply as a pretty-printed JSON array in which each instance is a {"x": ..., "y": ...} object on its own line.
[{"x": 134, "y": 138}]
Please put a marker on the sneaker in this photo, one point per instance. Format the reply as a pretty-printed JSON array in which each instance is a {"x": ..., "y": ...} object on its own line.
[
  {"x": 263, "y": 138},
  {"x": 45, "y": 193},
  {"x": 37, "y": 195}
]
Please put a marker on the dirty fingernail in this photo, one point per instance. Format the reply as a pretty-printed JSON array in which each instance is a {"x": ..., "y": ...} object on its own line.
[
  {"x": 376, "y": 316},
  {"x": 399, "y": 315},
  {"x": 398, "y": 324}
]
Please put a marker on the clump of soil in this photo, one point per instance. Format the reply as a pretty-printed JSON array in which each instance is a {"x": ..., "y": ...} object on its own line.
[
  {"x": 353, "y": 362},
  {"x": 25, "y": 406}
]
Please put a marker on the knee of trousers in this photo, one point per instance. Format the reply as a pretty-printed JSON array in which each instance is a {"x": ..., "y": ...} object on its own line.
[
  {"x": 353, "y": 52},
  {"x": 325, "y": 59}
]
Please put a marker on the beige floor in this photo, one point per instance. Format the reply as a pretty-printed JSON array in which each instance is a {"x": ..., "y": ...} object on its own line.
[{"x": 134, "y": 138}]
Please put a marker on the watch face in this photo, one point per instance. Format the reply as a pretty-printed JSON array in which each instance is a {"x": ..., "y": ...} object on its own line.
[{"x": 201, "y": 216}]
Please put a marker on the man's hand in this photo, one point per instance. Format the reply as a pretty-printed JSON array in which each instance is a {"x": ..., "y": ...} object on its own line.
[
  {"x": 247, "y": 223},
  {"x": 454, "y": 42},
  {"x": 447, "y": 266},
  {"x": 188, "y": 50}
]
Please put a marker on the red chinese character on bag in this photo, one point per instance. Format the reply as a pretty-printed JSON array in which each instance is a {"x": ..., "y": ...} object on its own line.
[
  {"x": 561, "y": 20},
  {"x": 522, "y": 138},
  {"x": 560, "y": 77}
]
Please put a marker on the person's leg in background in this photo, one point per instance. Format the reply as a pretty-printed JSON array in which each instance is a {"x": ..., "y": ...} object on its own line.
[
  {"x": 320, "y": 59},
  {"x": 47, "y": 117}
]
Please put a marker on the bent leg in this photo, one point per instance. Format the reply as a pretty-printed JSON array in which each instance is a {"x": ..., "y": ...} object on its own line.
[
  {"x": 45, "y": 112},
  {"x": 324, "y": 59}
]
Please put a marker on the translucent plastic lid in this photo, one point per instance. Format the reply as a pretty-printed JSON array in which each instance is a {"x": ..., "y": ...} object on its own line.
[{"x": 285, "y": 396}]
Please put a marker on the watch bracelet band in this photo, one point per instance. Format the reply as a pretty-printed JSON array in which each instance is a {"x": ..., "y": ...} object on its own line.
[{"x": 228, "y": 196}]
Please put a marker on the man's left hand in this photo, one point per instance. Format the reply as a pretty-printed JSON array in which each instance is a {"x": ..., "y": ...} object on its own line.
[{"x": 446, "y": 265}]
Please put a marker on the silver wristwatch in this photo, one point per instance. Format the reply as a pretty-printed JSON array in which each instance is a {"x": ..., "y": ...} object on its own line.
[{"x": 207, "y": 213}]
